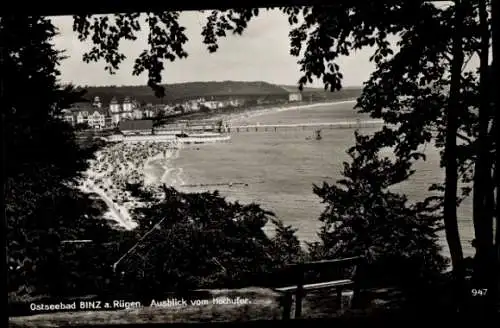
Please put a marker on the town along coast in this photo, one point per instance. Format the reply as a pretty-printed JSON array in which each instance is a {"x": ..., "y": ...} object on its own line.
[{"x": 278, "y": 169}]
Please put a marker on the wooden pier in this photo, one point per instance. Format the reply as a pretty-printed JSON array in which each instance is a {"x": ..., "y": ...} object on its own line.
[
  {"x": 225, "y": 184},
  {"x": 304, "y": 126}
]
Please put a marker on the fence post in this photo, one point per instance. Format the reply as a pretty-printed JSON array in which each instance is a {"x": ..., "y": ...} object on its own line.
[
  {"x": 339, "y": 297},
  {"x": 357, "y": 277},
  {"x": 300, "y": 293},
  {"x": 287, "y": 305}
]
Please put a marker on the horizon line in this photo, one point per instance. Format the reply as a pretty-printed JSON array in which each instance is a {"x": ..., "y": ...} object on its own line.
[{"x": 200, "y": 81}]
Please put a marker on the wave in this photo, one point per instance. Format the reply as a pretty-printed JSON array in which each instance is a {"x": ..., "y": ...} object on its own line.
[
  {"x": 173, "y": 177},
  {"x": 169, "y": 175},
  {"x": 165, "y": 178},
  {"x": 158, "y": 169},
  {"x": 176, "y": 178}
]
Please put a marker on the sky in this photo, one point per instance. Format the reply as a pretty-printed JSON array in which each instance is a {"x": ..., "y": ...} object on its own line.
[{"x": 262, "y": 53}]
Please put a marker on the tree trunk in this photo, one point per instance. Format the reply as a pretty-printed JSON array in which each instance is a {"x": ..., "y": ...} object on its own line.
[
  {"x": 494, "y": 205},
  {"x": 482, "y": 214},
  {"x": 483, "y": 220},
  {"x": 450, "y": 160},
  {"x": 495, "y": 18}
]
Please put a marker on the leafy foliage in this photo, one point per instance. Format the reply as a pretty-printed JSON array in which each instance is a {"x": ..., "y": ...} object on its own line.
[
  {"x": 43, "y": 158},
  {"x": 201, "y": 240},
  {"x": 166, "y": 41},
  {"x": 363, "y": 218}
]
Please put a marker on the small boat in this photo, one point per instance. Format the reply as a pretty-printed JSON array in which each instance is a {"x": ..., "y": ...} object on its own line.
[{"x": 318, "y": 135}]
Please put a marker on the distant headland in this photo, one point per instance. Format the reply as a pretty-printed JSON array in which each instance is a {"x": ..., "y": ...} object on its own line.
[{"x": 215, "y": 90}]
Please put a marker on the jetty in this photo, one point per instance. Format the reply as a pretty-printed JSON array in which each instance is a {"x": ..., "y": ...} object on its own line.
[
  {"x": 303, "y": 126},
  {"x": 228, "y": 184},
  {"x": 186, "y": 132}
]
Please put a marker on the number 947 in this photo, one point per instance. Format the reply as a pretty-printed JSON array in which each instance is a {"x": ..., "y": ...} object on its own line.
[{"x": 479, "y": 292}]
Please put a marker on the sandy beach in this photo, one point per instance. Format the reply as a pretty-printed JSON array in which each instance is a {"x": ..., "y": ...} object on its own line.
[{"x": 119, "y": 164}]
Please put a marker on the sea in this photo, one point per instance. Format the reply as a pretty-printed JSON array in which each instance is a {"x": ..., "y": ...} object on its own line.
[{"x": 278, "y": 169}]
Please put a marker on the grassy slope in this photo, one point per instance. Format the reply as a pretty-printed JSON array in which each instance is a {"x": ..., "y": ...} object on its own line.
[{"x": 180, "y": 91}]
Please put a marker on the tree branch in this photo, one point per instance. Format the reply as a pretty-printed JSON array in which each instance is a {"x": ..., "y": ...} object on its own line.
[{"x": 464, "y": 138}]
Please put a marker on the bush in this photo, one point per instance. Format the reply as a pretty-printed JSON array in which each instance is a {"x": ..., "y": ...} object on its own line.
[
  {"x": 206, "y": 242},
  {"x": 362, "y": 218}
]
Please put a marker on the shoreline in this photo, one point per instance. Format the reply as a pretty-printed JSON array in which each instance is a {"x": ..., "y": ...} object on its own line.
[
  {"x": 148, "y": 162},
  {"x": 234, "y": 117},
  {"x": 119, "y": 164},
  {"x": 234, "y": 113},
  {"x": 116, "y": 164}
]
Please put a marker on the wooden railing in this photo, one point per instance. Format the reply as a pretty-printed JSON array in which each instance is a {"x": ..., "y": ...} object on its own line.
[{"x": 347, "y": 276}]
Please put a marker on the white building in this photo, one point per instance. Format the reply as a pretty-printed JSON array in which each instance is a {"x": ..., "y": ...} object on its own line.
[
  {"x": 194, "y": 105},
  {"x": 82, "y": 117},
  {"x": 149, "y": 112},
  {"x": 115, "y": 119},
  {"x": 210, "y": 104},
  {"x": 294, "y": 94},
  {"x": 236, "y": 102},
  {"x": 127, "y": 105},
  {"x": 295, "y": 97},
  {"x": 97, "y": 102},
  {"x": 114, "y": 106},
  {"x": 97, "y": 119},
  {"x": 70, "y": 119},
  {"x": 137, "y": 114},
  {"x": 88, "y": 113},
  {"x": 67, "y": 116},
  {"x": 124, "y": 111},
  {"x": 115, "y": 111}
]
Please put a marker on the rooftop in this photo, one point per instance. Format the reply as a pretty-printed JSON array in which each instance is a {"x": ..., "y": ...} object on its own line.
[{"x": 136, "y": 125}]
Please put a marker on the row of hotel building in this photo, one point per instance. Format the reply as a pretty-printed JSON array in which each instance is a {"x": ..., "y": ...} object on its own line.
[{"x": 96, "y": 116}]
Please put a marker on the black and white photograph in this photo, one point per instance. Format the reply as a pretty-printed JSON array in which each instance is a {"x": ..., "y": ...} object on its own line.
[{"x": 252, "y": 164}]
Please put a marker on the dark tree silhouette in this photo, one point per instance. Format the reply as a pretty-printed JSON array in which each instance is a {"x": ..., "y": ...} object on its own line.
[
  {"x": 495, "y": 18},
  {"x": 453, "y": 110},
  {"x": 43, "y": 159},
  {"x": 397, "y": 238},
  {"x": 202, "y": 241},
  {"x": 483, "y": 176},
  {"x": 166, "y": 45}
]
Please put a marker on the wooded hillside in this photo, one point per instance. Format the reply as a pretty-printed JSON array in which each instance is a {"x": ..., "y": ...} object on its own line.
[{"x": 217, "y": 90}]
